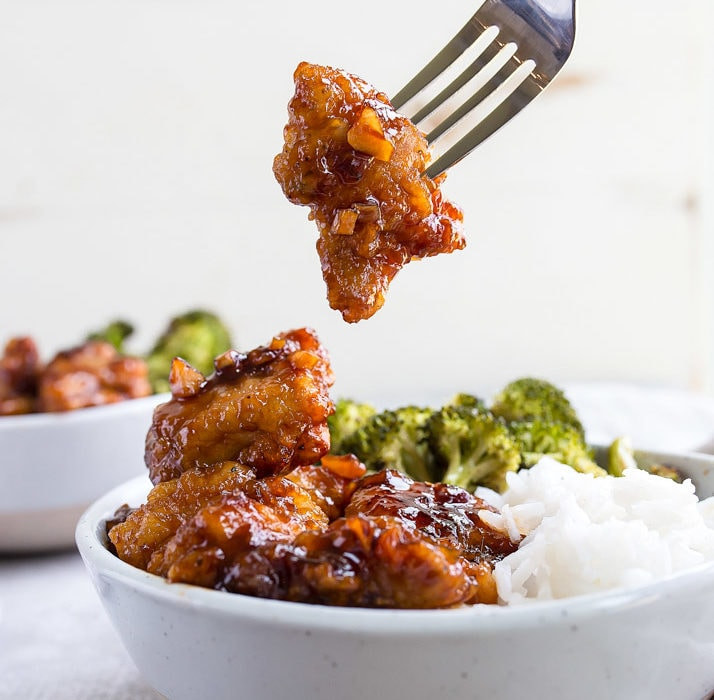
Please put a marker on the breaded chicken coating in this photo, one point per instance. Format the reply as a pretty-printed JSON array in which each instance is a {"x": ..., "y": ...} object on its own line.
[
  {"x": 447, "y": 514},
  {"x": 144, "y": 532},
  {"x": 20, "y": 369},
  {"x": 266, "y": 409},
  {"x": 240, "y": 506},
  {"x": 362, "y": 561},
  {"x": 191, "y": 528},
  {"x": 317, "y": 535},
  {"x": 92, "y": 374},
  {"x": 359, "y": 166}
]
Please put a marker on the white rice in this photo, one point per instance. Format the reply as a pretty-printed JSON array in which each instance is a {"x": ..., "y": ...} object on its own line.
[{"x": 586, "y": 534}]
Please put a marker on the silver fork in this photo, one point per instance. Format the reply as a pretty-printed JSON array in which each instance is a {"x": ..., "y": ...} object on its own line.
[{"x": 516, "y": 48}]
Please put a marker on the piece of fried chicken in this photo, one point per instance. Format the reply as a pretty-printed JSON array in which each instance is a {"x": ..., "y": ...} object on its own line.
[
  {"x": 139, "y": 535},
  {"x": 240, "y": 506},
  {"x": 359, "y": 166},
  {"x": 193, "y": 527},
  {"x": 20, "y": 369},
  {"x": 266, "y": 409},
  {"x": 92, "y": 374},
  {"x": 318, "y": 534},
  {"x": 447, "y": 514},
  {"x": 400, "y": 544}
]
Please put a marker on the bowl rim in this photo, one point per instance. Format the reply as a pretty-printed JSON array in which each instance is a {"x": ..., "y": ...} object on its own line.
[
  {"x": 32, "y": 421},
  {"x": 91, "y": 542}
]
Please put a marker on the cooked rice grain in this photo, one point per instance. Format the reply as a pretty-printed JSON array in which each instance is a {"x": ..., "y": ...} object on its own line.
[{"x": 587, "y": 534}]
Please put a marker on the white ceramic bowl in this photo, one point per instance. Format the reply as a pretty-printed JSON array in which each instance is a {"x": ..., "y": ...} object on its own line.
[
  {"x": 654, "y": 642},
  {"x": 53, "y": 465}
]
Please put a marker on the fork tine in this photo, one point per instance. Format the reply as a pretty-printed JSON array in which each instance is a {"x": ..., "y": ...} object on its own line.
[
  {"x": 540, "y": 31},
  {"x": 498, "y": 79},
  {"x": 489, "y": 53},
  {"x": 464, "y": 38},
  {"x": 508, "y": 108}
]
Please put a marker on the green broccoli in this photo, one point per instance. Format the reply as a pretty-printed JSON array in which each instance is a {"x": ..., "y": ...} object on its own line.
[
  {"x": 529, "y": 399},
  {"x": 114, "y": 333},
  {"x": 394, "y": 439},
  {"x": 197, "y": 336},
  {"x": 468, "y": 401},
  {"x": 540, "y": 438},
  {"x": 471, "y": 448},
  {"x": 347, "y": 418},
  {"x": 622, "y": 456}
]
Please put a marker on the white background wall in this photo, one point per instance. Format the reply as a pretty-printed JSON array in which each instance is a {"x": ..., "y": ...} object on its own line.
[{"x": 136, "y": 141}]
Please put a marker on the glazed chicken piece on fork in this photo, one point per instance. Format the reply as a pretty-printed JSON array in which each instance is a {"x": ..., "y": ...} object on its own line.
[
  {"x": 358, "y": 165},
  {"x": 364, "y": 169}
]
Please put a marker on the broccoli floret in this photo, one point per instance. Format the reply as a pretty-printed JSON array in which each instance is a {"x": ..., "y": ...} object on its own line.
[
  {"x": 394, "y": 439},
  {"x": 197, "y": 336},
  {"x": 620, "y": 456},
  {"x": 468, "y": 401},
  {"x": 529, "y": 399},
  {"x": 471, "y": 448},
  {"x": 347, "y": 418},
  {"x": 539, "y": 438},
  {"x": 115, "y": 333}
]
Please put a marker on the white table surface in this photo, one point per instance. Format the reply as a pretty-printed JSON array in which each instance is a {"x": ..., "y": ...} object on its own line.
[{"x": 56, "y": 642}]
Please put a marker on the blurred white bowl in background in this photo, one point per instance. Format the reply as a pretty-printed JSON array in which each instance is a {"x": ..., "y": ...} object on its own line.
[
  {"x": 660, "y": 417},
  {"x": 53, "y": 465}
]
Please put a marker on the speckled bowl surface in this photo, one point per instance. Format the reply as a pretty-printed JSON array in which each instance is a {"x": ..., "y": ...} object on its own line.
[{"x": 650, "y": 643}]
